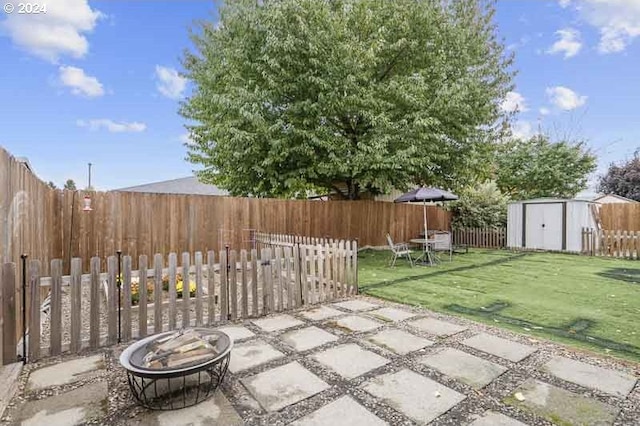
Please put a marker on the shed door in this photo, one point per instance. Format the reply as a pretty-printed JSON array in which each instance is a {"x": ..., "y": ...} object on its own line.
[{"x": 544, "y": 226}]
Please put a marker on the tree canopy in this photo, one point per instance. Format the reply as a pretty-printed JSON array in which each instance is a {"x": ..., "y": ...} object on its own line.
[
  {"x": 622, "y": 179},
  {"x": 70, "y": 185},
  {"x": 538, "y": 167},
  {"x": 289, "y": 94}
]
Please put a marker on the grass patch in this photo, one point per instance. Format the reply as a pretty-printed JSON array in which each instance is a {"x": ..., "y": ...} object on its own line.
[{"x": 587, "y": 302}]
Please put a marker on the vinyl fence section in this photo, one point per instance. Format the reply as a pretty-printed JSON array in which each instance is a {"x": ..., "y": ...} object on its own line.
[
  {"x": 81, "y": 311},
  {"x": 480, "y": 237},
  {"x": 619, "y": 244}
]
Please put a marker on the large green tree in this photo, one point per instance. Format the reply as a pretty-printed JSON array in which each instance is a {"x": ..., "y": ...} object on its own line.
[
  {"x": 370, "y": 94},
  {"x": 537, "y": 167},
  {"x": 622, "y": 179}
]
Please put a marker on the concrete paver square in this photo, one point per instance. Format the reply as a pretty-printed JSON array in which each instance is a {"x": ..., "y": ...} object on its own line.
[
  {"x": 321, "y": 313},
  {"x": 350, "y": 360},
  {"x": 342, "y": 411},
  {"x": 391, "y": 314},
  {"x": 307, "y": 338},
  {"x": 75, "y": 407},
  {"x": 236, "y": 332},
  {"x": 469, "y": 369},
  {"x": 414, "y": 395},
  {"x": 491, "y": 418},
  {"x": 587, "y": 375},
  {"x": 503, "y": 348},
  {"x": 277, "y": 323},
  {"x": 399, "y": 341},
  {"x": 356, "y": 305},
  {"x": 561, "y": 406},
  {"x": 251, "y": 354},
  {"x": 216, "y": 410},
  {"x": 353, "y": 324},
  {"x": 65, "y": 372},
  {"x": 437, "y": 327},
  {"x": 282, "y": 386}
]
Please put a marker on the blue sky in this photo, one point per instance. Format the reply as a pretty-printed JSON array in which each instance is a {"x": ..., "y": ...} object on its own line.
[{"x": 96, "y": 81}]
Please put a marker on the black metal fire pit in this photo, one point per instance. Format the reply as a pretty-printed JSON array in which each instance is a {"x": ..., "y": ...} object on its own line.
[{"x": 165, "y": 380}]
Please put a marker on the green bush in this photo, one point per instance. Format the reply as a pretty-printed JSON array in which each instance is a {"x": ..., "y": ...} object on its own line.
[{"x": 482, "y": 206}]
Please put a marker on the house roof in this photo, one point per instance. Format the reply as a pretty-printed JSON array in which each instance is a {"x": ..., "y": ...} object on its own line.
[
  {"x": 187, "y": 185},
  {"x": 619, "y": 197}
]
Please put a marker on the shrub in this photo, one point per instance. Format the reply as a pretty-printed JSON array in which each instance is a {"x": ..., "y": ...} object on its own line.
[{"x": 482, "y": 206}]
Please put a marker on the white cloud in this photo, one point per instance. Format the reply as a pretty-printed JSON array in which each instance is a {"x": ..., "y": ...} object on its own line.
[
  {"x": 565, "y": 98},
  {"x": 60, "y": 31},
  {"x": 79, "y": 82},
  {"x": 170, "y": 83},
  {"x": 186, "y": 138},
  {"x": 564, "y": 3},
  {"x": 112, "y": 126},
  {"x": 618, "y": 21},
  {"x": 544, "y": 111},
  {"x": 569, "y": 43},
  {"x": 514, "y": 102},
  {"x": 521, "y": 130}
]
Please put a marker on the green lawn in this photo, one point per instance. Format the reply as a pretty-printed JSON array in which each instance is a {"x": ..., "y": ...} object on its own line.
[{"x": 582, "y": 301}]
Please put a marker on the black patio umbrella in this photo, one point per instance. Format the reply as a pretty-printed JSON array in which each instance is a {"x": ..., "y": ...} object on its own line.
[{"x": 425, "y": 194}]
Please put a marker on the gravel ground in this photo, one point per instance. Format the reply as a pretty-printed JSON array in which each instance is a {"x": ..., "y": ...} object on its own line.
[{"x": 122, "y": 409}]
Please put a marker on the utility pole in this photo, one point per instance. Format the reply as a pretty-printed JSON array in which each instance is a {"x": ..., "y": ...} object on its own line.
[{"x": 89, "y": 187}]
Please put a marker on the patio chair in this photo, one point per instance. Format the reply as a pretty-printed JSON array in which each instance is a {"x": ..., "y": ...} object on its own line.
[
  {"x": 443, "y": 243},
  {"x": 399, "y": 250}
]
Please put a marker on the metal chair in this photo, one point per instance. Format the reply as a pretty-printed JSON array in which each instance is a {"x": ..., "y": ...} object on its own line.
[
  {"x": 399, "y": 250},
  {"x": 442, "y": 242}
]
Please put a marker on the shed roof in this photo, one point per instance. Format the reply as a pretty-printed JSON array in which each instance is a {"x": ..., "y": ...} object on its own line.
[{"x": 552, "y": 200}]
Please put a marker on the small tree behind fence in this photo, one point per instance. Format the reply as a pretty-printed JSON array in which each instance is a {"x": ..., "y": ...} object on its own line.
[
  {"x": 480, "y": 237},
  {"x": 82, "y": 311}
]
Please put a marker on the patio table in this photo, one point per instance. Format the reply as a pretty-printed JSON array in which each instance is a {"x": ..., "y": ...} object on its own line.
[{"x": 428, "y": 254}]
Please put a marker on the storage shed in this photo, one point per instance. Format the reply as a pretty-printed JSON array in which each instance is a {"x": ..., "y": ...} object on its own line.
[{"x": 550, "y": 223}]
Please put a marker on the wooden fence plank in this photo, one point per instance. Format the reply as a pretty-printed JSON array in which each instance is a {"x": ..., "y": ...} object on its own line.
[
  {"x": 304, "y": 277},
  {"x": 94, "y": 308},
  {"x": 142, "y": 291},
  {"x": 224, "y": 297},
  {"x": 334, "y": 269},
  {"x": 288, "y": 282},
  {"x": 158, "y": 264},
  {"x": 126, "y": 298},
  {"x": 321, "y": 276},
  {"x": 254, "y": 283},
  {"x": 173, "y": 296},
  {"x": 55, "y": 339},
  {"x": 199, "y": 289},
  {"x": 233, "y": 285},
  {"x": 75, "y": 298},
  {"x": 314, "y": 296},
  {"x": 244, "y": 282},
  {"x": 211, "y": 287},
  {"x": 34, "y": 310},
  {"x": 277, "y": 285},
  {"x": 341, "y": 269},
  {"x": 9, "y": 340},
  {"x": 297, "y": 290},
  {"x": 186, "y": 286},
  {"x": 354, "y": 266},
  {"x": 112, "y": 303}
]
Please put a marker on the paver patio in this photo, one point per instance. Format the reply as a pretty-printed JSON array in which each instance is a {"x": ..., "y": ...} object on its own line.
[{"x": 334, "y": 365}]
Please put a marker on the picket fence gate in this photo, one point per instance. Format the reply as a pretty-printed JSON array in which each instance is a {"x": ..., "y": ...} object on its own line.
[{"x": 82, "y": 312}]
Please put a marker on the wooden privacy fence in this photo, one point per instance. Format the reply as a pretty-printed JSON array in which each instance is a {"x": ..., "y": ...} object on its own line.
[
  {"x": 616, "y": 216},
  {"x": 619, "y": 244},
  {"x": 480, "y": 237},
  {"x": 168, "y": 293}
]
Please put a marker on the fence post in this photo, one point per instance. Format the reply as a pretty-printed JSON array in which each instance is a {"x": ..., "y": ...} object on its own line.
[
  {"x": 119, "y": 285},
  {"x": 23, "y": 258}
]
